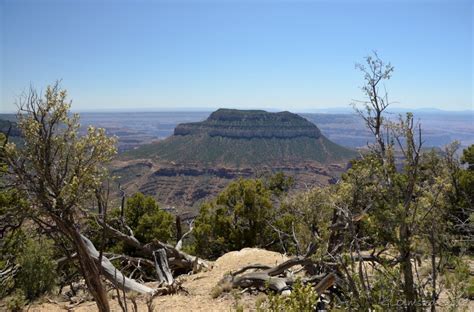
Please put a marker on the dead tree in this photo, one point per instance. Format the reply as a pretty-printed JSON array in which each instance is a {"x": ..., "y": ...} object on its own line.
[
  {"x": 162, "y": 268},
  {"x": 112, "y": 274},
  {"x": 176, "y": 258},
  {"x": 277, "y": 278}
]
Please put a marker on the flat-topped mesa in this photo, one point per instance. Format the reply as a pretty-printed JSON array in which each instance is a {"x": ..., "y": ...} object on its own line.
[
  {"x": 248, "y": 124},
  {"x": 242, "y": 139}
]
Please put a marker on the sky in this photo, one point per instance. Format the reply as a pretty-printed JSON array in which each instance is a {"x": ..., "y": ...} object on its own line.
[{"x": 283, "y": 55}]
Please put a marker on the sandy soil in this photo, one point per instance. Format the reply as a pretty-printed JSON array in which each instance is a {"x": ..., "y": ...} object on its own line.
[{"x": 198, "y": 285}]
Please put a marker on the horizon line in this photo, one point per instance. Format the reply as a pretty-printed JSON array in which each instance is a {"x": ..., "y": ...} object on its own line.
[{"x": 328, "y": 110}]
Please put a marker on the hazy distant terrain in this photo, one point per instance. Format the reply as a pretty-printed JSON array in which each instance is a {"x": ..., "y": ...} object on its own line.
[
  {"x": 137, "y": 128},
  {"x": 134, "y": 129},
  {"x": 345, "y": 129},
  {"x": 439, "y": 128}
]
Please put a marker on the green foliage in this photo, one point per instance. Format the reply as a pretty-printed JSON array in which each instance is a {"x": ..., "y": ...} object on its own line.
[
  {"x": 13, "y": 206},
  {"x": 237, "y": 218},
  {"x": 306, "y": 216},
  {"x": 361, "y": 187},
  {"x": 470, "y": 289},
  {"x": 466, "y": 179},
  {"x": 397, "y": 204},
  {"x": 147, "y": 220},
  {"x": 68, "y": 167},
  {"x": 62, "y": 171},
  {"x": 468, "y": 157},
  {"x": 10, "y": 247},
  {"x": 279, "y": 184},
  {"x": 303, "y": 298},
  {"x": 457, "y": 281},
  {"x": 37, "y": 274},
  {"x": 385, "y": 294},
  {"x": 16, "y": 302},
  {"x": 461, "y": 200},
  {"x": 13, "y": 210},
  {"x": 34, "y": 258},
  {"x": 143, "y": 216}
]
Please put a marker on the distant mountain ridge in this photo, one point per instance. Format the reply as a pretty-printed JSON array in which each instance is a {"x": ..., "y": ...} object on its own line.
[{"x": 237, "y": 138}]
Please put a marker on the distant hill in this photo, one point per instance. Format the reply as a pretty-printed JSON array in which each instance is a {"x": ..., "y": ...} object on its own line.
[{"x": 238, "y": 138}]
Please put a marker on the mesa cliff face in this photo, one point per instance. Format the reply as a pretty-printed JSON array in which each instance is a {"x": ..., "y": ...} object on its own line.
[{"x": 251, "y": 124}]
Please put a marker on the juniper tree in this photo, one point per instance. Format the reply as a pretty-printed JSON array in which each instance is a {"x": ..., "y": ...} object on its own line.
[{"x": 60, "y": 171}]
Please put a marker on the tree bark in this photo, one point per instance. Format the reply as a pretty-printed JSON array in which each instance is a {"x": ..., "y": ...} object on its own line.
[
  {"x": 112, "y": 274},
  {"x": 407, "y": 270},
  {"x": 162, "y": 268},
  {"x": 89, "y": 268}
]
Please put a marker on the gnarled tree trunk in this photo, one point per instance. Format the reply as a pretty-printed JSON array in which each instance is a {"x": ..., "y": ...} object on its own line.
[
  {"x": 112, "y": 274},
  {"x": 89, "y": 268}
]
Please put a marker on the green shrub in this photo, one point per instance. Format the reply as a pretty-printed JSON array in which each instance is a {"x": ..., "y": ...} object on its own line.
[
  {"x": 237, "y": 218},
  {"x": 303, "y": 214},
  {"x": 37, "y": 274},
  {"x": 279, "y": 184},
  {"x": 303, "y": 298},
  {"x": 147, "y": 220}
]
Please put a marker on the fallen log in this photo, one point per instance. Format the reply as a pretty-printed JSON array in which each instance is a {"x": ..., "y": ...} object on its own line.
[
  {"x": 120, "y": 281},
  {"x": 114, "y": 275},
  {"x": 277, "y": 278}
]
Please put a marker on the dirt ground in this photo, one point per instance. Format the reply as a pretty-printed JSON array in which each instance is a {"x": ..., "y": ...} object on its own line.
[{"x": 198, "y": 285}]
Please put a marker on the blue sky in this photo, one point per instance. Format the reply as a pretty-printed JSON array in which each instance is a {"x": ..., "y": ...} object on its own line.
[{"x": 293, "y": 55}]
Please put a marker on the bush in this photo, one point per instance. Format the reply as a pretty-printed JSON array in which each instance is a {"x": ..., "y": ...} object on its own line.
[
  {"x": 34, "y": 258},
  {"x": 237, "y": 218},
  {"x": 470, "y": 289},
  {"x": 37, "y": 274},
  {"x": 303, "y": 215},
  {"x": 147, "y": 220},
  {"x": 279, "y": 184},
  {"x": 10, "y": 248},
  {"x": 302, "y": 298}
]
